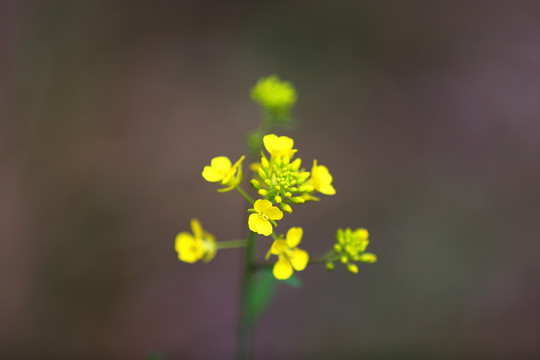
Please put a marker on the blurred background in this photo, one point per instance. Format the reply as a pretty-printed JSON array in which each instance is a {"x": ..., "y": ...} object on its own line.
[{"x": 427, "y": 114}]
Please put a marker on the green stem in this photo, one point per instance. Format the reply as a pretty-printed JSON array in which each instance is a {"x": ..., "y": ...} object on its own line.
[
  {"x": 245, "y": 326},
  {"x": 245, "y": 195},
  {"x": 231, "y": 244},
  {"x": 329, "y": 256}
]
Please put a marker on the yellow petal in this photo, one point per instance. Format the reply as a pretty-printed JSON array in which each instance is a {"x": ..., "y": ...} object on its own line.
[
  {"x": 261, "y": 206},
  {"x": 259, "y": 225},
  {"x": 274, "y": 213},
  {"x": 278, "y": 247},
  {"x": 327, "y": 189},
  {"x": 294, "y": 235},
  {"x": 299, "y": 259},
  {"x": 196, "y": 228},
  {"x": 221, "y": 163},
  {"x": 279, "y": 146},
  {"x": 187, "y": 248},
  {"x": 282, "y": 269},
  {"x": 212, "y": 175},
  {"x": 237, "y": 164},
  {"x": 269, "y": 142}
]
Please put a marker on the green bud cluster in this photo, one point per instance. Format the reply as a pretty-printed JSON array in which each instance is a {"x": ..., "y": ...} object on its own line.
[
  {"x": 282, "y": 182},
  {"x": 275, "y": 96},
  {"x": 351, "y": 246}
]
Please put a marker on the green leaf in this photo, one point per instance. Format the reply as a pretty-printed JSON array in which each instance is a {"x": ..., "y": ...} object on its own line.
[
  {"x": 294, "y": 281},
  {"x": 263, "y": 289}
]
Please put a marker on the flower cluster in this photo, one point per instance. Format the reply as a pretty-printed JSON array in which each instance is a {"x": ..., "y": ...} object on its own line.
[
  {"x": 289, "y": 256},
  {"x": 274, "y": 95},
  {"x": 350, "y": 246},
  {"x": 281, "y": 180},
  {"x": 199, "y": 246},
  {"x": 221, "y": 170}
]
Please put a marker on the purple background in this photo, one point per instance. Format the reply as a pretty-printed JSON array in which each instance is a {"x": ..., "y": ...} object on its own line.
[{"x": 427, "y": 114}]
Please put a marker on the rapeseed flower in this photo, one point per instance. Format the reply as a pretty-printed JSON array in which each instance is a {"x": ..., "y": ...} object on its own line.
[
  {"x": 263, "y": 217},
  {"x": 321, "y": 179},
  {"x": 279, "y": 145},
  {"x": 200, "y": 245},
  {"x": 290, "y": 258},
  {"x": 221, "y": 170}
]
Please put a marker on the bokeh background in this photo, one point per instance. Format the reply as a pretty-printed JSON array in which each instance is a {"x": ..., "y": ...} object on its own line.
[{"x": 426, "y": 112}]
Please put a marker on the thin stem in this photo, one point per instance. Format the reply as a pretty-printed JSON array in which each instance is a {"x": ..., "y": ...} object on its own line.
[
  {"x": 329, "y": 256},
  {"x": 245, "y": 325},
  {"x": 245, "y": 195},
  {"x": 231, "y": 244}
]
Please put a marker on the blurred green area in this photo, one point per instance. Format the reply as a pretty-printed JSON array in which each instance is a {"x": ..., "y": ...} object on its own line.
[{"x": 426, "y": 114}]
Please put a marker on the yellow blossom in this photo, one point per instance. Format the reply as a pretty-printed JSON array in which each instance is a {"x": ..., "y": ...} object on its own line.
[
  {"x": 279, "y": 146},
  {"x": 264, "y": 216},
  {"x": 200, "y": 245},
  {"x": 321, "y": 179},
  {"x": 222, "y": 170},
  {"x": 289, "y": 256}
]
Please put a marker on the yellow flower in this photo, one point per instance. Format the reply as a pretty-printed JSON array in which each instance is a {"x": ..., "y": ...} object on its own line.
[
  {"x": 321, "y": 179},
  {"x": 221, "y": 170},
  {"x": 279, "y": 146},
  {"x": 200, "y": 245},
  {"x": 289, "y": 256},
  {"x": 263, "y": 218}
]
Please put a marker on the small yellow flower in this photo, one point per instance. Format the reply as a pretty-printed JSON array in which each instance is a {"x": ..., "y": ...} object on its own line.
[
  {"x": 222, "y": 170},
  {"x": 279, "y": 146},
  {"x": 321, "y": 179},
  {"x": 200, "y": 245},
  {"x": 264, "y": 216},
  {"x": 289, "y": 256}
]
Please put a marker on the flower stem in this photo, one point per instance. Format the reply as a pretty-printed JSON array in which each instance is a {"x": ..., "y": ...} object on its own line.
[
  {"x": 245, "y": 195},
  {"x": 231, "y": 244},
  {"x": 244, "y": 346}
]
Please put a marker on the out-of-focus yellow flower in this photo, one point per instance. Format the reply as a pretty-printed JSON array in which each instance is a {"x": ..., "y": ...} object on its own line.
[
  {"x": 264, "y": 217},
  {"x": 279, "y": 145},
  {"x": 274, "y": 94},
  {"x": 221, "y": 170},
  {"x": 351, "y": 245},
  {"x": 290, "y": 258},
  {"x": 200, "y": 245},
  {"x": 321, "y": 179}
]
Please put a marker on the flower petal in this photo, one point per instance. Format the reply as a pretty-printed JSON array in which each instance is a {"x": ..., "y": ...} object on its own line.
[
  {"x": 187, "y": 248},
  {"x": 221, "y": 163},
  {"x": 327, "y": 189},
  {"x": 282, "y": 269},
  {"x": 196, "y": 228},
  {"x": 294, "y": 235},
  {"x": 274, "y": 213},
  {"x": 212, "y": 175},
  {"x": 278, "y": 247},
  {"x": 299, "y": 259},
  {"x": 269, "y": 142},
  {"x": 261, "y": 206},
  {"x": 259, "y": 225}
]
